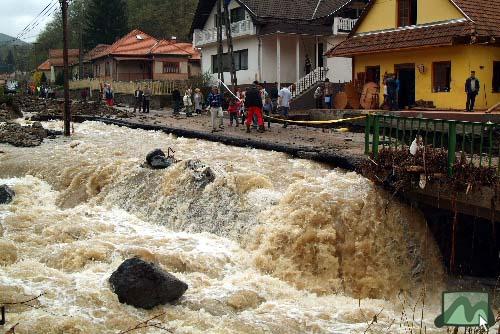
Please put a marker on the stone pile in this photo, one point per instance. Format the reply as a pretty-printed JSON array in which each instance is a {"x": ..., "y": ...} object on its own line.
[
  {"x": 25, "y": 136},
  {"x": 46, "y": 109}
]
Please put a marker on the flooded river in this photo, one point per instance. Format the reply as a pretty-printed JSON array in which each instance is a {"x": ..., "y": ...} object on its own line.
[{"x": 272, "y": 245}]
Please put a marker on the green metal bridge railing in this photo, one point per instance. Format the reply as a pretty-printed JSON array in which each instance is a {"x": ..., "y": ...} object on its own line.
[{"x": 474, "y": 140}]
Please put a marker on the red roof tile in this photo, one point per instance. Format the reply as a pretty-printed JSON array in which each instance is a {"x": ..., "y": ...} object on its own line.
[
  {"x": 135, "y": 43},
  {"x": 165, "y": 47},
  {"x": 56, "y": 59},
  {"x": 45, "y": 66},
  {"x": 98, "y": 49}
]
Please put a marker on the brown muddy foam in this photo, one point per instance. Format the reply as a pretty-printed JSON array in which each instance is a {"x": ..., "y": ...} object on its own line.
[{"x": 272, "y": 245}]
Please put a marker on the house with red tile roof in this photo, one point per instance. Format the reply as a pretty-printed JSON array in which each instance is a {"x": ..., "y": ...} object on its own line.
[
  {"x": 432, "y": 47},
  {"x": 54, "y": 64},
  {"x": 139, "y": 56}
]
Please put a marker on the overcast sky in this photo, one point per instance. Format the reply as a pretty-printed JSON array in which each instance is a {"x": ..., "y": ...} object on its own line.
[{"x": 17, "y": 14}]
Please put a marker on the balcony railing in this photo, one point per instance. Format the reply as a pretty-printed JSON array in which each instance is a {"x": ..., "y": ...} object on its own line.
[
  {"x": 207, "y": 36},
  {"x": 343, "y": 25}
]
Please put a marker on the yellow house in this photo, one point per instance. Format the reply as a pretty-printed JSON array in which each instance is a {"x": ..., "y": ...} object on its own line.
[{"x": 432, "y": 45}]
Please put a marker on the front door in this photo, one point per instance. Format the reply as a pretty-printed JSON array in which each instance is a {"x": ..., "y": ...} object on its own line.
[
  {"x": 321, "y": 50},
  {"x": 406, "y": 76}
]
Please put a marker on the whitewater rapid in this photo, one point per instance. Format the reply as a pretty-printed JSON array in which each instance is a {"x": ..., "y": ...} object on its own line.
[{"x": 273, "y": 245}]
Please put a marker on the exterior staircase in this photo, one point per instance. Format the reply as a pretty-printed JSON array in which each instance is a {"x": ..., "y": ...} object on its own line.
[{"x": 308, "y": 81}]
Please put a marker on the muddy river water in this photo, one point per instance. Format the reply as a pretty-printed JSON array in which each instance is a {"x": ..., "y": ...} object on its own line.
[{"x": 272, "y": 245}]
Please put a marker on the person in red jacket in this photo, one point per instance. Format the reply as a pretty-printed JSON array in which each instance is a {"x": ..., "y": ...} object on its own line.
[
  {"x": 234, "y": 110},
  {"x": 253, "y": 104}
]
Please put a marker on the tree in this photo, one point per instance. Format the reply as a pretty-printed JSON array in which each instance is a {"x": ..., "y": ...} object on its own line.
[
  {"x": 162, "y": 18},
  {"x": 9, "y": 60},
  {"x": 106, "y": 21}
]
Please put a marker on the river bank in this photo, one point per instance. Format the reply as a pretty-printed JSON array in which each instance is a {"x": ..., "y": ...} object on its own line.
[{"x": 337, "y": 148}]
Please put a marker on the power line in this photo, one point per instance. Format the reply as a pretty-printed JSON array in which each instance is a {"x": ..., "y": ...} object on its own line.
[
  {"x": 46, "y": 12},
  {"x": 51, "y": 10},
  {"x": 32, "y": 23}
]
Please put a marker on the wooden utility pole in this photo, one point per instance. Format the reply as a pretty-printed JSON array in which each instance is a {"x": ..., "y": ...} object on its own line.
[
  {"x": 220, "y": 48},
  {"x": 67, "y": 107},
  {"x": 230, "y": 48}
]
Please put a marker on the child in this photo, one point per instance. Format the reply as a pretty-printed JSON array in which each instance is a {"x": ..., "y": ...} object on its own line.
[
  {"x": 234, "y": 110},
  {"x": 268, "y": 108}
]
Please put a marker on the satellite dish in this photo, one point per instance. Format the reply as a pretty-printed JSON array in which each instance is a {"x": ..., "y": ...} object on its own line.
[{"x": 139, "y": 37}]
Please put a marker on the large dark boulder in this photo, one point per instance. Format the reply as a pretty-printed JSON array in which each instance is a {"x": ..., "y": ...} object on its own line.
[
  {"x": 6, "y": 194},
  {"x": 158, "y": 160},
  {"x": 145, "y": 285},
  {"x": 153, "y": 154}
]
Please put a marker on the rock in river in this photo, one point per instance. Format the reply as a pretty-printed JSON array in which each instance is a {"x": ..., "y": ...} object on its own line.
[
  {"x": 158, "y": 160},
  {"x": 6, "y": 194},
  {"x": 145, "y": 285}
]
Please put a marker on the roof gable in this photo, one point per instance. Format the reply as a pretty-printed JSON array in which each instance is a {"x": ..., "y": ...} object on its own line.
[
  {"x": 262, "y": 10},
  {"x": 484, "y": 13},
  {"x": 135, "y": 43}
]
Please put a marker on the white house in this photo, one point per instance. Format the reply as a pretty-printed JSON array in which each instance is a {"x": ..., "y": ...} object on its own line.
[{"x": 271, "y": 39}]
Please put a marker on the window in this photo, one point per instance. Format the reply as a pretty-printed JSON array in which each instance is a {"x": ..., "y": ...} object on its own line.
[
  {"x": 237, "y": 14},
  {"x": 441, "y": 76},
  {"x": 407, "y": 13},
  {"x": 170, "y": 67},
  {"x": 240, "y": 61},
  {"x": 496, "y": 76}
]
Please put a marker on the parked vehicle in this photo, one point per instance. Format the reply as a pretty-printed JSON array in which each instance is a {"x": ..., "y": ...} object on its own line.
[{"x": 11, "y": 87}]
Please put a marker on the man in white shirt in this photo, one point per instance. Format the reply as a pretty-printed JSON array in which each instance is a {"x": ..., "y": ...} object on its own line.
[{"x": 284, "y": 98}]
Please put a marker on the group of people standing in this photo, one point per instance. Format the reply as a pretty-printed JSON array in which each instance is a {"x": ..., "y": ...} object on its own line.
[
  {"x": 324, "y": 93},
  {"x": 244, "y": 107},
  {"x": 142, "y": 99},
  {"x": 255, "y": 102}
]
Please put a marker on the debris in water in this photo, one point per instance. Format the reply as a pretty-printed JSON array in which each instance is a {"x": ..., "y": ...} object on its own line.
[{"x": 158, "y": 160}]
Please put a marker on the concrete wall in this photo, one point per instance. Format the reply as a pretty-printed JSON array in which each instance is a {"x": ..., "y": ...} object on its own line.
[
  {"x": 244, "y": 76},
  {"x": 132, "y": 70},
  {"x": 340, "y": 68}
]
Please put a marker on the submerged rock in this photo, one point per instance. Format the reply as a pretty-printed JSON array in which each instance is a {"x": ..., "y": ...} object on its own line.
[
  {"x": 145, "y": 285},
  {"x": 158, "y": 160},
  {"x": 6, "y": 194}
]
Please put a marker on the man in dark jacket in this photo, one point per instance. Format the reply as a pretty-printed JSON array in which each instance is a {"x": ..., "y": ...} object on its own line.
[
  {"x": 472, "y": 89},
  {"x": 253, "y": 104},
  {"x": 176, "y": 101},
  {"x": 138, "y": 99}
]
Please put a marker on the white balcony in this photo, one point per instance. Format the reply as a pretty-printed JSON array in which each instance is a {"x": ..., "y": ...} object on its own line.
[
  {"x": 343, "y": 26},
  {"x": 238, "y": 29}
]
